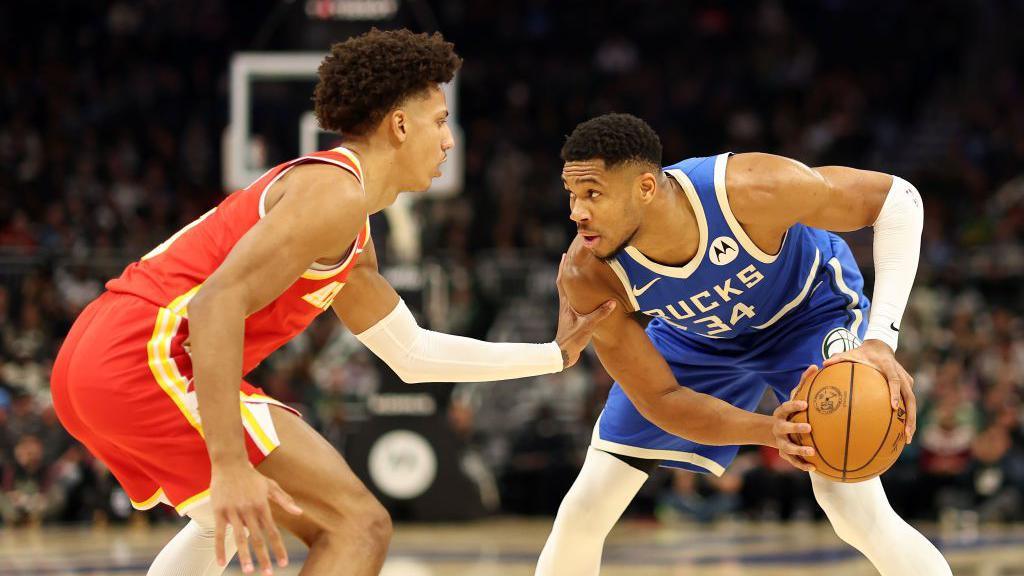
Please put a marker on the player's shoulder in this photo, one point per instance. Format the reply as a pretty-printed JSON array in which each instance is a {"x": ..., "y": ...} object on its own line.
[
  {"x": 322, "y": 184},
  {"x": 588, "y": 280},
  {"x": 324, "y": 174},
  {"x": 760, "y": 172},
  {"x": 763, "y": 188}
]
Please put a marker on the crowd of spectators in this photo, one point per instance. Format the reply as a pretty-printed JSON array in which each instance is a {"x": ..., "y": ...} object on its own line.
[{"x": 111, "y": 117}]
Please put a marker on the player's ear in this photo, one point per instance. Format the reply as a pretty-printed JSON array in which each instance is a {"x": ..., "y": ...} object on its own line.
[
  {"x": 397, "y": 123},
  {"x": 646, "y": 185}
]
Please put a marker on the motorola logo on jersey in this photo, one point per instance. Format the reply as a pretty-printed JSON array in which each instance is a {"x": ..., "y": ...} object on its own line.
[{"x": 723, "y": 250}]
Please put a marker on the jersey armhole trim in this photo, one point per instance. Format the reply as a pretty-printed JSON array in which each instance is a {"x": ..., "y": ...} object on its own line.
[
  {"x": 302, "y": 160},
  {"x": 730, "y": 218},
  {"x": 620, "y": 272}
]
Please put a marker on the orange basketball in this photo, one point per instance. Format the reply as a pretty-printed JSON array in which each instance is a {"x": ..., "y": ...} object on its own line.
[{"x": 855, "y": 432}]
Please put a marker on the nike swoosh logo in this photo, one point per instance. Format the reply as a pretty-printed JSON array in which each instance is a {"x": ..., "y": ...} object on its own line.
[
  {"x": 640, "y": 291},
  {"x": 893, "y": 326}
]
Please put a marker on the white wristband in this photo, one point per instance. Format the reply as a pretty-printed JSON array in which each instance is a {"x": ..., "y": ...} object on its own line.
[
  {"x": 897, "y": 248},
  {"x": 418, "y": 355}
]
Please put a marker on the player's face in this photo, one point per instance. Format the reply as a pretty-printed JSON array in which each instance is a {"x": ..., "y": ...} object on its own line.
[
  {"x": 427, "y": 137},
  {"x": 604, "y": 204}
]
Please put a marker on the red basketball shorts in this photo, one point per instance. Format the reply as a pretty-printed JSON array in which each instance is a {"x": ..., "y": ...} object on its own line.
[{"x": 122, "y": 386}]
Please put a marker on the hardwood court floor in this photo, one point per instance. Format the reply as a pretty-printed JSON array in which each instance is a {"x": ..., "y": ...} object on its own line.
[{"x": 509, "y": 547}]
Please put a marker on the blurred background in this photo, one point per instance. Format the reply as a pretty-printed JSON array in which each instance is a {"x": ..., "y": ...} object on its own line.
[{"x": 114, "y": 133}]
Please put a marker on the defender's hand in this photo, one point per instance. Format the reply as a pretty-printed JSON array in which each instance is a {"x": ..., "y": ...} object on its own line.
[
  {"x": 241, "y": 497},
  {"x": 879, "y": 356},
  {"x": 575, "y": 329},
  {"x": 782, "y": 427}
]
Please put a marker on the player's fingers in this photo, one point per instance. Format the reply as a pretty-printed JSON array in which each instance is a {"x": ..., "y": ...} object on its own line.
[
  {"x": 808, "y": 374},
  {"x": 783, "y": 428},
  {"x": 601, "y": 313},
  {"x": 910, "y": 399},
  {"x": 283, "y": 499},
  {"x": 254, "y": 520},
  {"x": 906, "y": 376},
  {"x": 895, "y": 390},
  {"x": 787, "y": 447},
  {"x": 797, "y": 462},
  {"x": 274, "y": 535},
  {"x": 790, "y": 407},
  {"x": 241, "y": 542},
  {"x": 219, "y": 533}
]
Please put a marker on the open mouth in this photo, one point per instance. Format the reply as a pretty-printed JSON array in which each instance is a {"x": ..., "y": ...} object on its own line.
[{"x": 589, "y": 240}]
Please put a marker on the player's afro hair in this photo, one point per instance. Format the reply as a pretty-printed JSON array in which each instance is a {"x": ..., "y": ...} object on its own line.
[
  {"x": 614, "y": 138},
  {"x": 365, "y": 77}
]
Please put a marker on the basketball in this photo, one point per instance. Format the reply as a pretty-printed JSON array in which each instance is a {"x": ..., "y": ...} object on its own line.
[{"x": 855, "y": 432}]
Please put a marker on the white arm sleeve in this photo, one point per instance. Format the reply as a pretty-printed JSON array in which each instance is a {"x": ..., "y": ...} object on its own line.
[
  {"x": 418, "y": 355},
  {"x": 897, "y": 247}
]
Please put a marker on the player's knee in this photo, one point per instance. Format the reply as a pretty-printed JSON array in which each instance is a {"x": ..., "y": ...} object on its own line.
[
  {"x": 581, "y": 511},
  {"x": 849, "y": 522},
  {"x": 363, "y": 514},
  {"x": 202, "y": 518},
  {"x": 379, "y": 526},
  {"x": 370, "y": 526}
]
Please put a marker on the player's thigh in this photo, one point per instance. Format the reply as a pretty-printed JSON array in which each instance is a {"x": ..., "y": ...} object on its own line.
[{"x": 309, "y": 469}]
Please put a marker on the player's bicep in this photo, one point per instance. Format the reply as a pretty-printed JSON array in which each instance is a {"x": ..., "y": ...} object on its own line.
[
  {"x": 766, "y": 190},
  {"x": 367, "y": 296},
  {"x": 854, "y": 198},
  {"x": 313, "y": 220}
]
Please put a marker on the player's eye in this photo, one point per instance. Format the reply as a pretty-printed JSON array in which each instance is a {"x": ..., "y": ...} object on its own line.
[{"x": 593, "y": 193}]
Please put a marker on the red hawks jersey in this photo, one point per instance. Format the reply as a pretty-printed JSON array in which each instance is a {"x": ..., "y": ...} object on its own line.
[{"x": 172, "y": 273}]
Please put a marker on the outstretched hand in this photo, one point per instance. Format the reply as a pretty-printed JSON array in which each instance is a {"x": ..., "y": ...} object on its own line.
[{"x": 575, "y": 329}]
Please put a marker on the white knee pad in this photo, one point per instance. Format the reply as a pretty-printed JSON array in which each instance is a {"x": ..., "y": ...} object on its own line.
[
  {"x": 192, "y": 550},
  {"x": 202, "y": 516},
  {"x": 855, "y": 510}
]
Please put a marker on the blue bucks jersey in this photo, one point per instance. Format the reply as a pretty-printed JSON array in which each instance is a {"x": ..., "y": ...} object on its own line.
[{"x": 731, "y": 288}]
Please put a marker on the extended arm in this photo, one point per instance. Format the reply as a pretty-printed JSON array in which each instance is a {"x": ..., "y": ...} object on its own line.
[{"x": 373, "y": 311}]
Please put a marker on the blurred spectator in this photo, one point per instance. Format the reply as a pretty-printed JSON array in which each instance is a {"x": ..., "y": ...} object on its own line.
[{"x": 26, "y": 487}]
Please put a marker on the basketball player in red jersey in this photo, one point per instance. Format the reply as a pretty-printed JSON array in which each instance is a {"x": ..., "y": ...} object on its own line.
[{"x": 150, "y": 375}]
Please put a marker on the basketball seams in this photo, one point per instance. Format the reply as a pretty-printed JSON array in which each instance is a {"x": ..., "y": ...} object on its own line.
[
  {"x": 849, "y": 421},
  {"x": 885, "y": 440}
]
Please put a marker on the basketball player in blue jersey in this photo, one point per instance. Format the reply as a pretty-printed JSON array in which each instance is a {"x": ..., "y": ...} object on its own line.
[{"x": 731, "y": 259}]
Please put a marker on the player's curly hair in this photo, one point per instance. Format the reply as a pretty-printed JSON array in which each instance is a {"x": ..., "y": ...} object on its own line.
[
  {"x": 614, "y": 138},
  {"x": 365, "y": 77}
]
